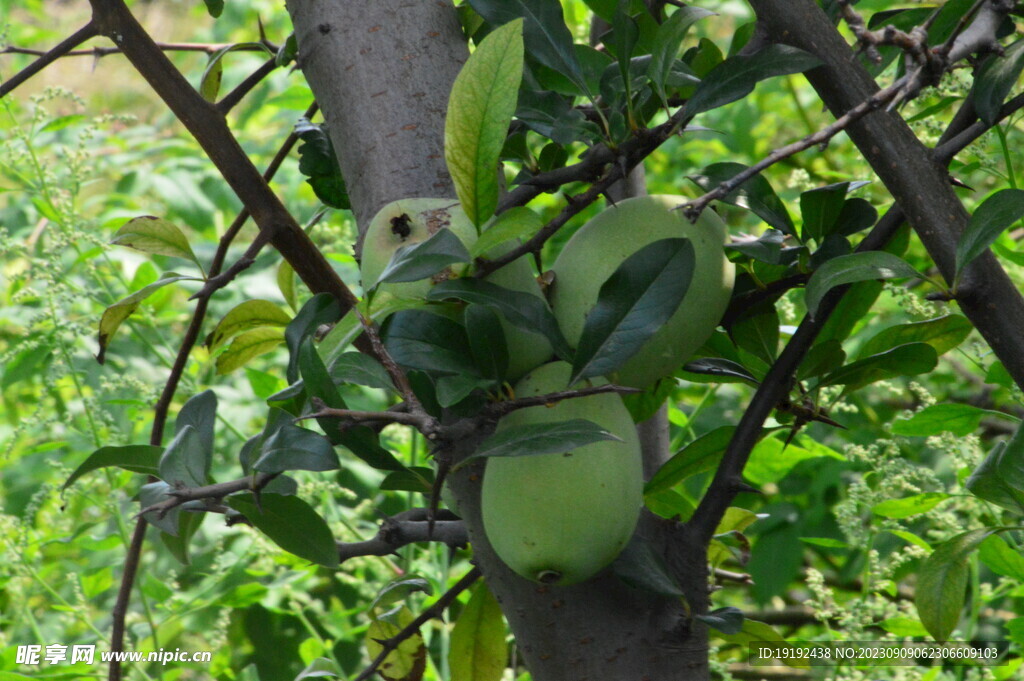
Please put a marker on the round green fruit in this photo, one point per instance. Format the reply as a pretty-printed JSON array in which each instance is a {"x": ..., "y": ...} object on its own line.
[
  {"x": 597, "y": 249},
  {"x": 410, "y": 221},
  {"x": 561, "y": 518}
]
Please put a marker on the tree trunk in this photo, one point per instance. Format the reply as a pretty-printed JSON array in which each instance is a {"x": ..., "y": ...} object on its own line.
[{"x": 382, "y": 72}]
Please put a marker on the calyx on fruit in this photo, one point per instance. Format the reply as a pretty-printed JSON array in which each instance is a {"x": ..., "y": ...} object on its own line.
[
  {"x": 410, "y": 221},
  {"x": 597, "y": 249},
  {"x": 561, "y": 518}
]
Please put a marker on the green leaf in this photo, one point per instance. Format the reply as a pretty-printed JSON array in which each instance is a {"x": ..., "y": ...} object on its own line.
[
  {"x": 398, "y": 590},
  {"x": 728, "y": 620},
  {"x": 700, "y": 455},
  {"x": 722, "y": 370},
  {"x": 319, "y": 163},
  {"x": 995, "y": 214},
  {"x": 361, "y": 369},
  {"x": 543, "y": 438},
  {"x": 480, "y": 109},
  {"x": 214, "y": 7},
  {"x": 200, "y": 412},
  {"x": 756, "y": 194},
  {"x": 453, "y": 389},
  {"x": 820, "y": 208},
  {"x": 413, "y": 479},
  {"x": 478, "y": 651},
  {"x": 906, "y": 360},
  {"x": 942, "y": 333},
  {"x": 114, "y": 315},
  {"x": 1000, "y": 476},
  {"x": 515, "y": 223},
  {"x": 248, "y": 345},
  {"x": 639, "y": 566},
  {"x": 151, "y": 234},
  {"x": 758, "y": 334},
  {"x": 736, "y": 77},
  {"x": 847, "y": 269},
  {"x": 633, "y": 304},
  {"x": 424, "y": 259},
  {"x": 290, "y": 523},
  {"x": 423, "y": 340},
  {"x": 959, "y": 419},
  {"x": 184, "y": 461},
  {"x": 772, "y": 459},
  {"x": 408, "y": 661},
  {"x": 323, "y": 308},
  {"x": 545, "y": 34},
  {"x": 909, "y": 506},
  {"x": 142, "y": 459},
  {"x": 294, "y": 448},
  {"x": 665, "y": 49},
  {"x": 154, "y": 493},
  {"x": 486, "y": 341},
  {"x": 251, "y": 314},
  {"x": 994, "y": 80},
  {"x": 522, "y": 310},
  {"x": 1001, "y": 558},
  {"x": 209, "y": 84},
  {"x": 942, "y": 582}
]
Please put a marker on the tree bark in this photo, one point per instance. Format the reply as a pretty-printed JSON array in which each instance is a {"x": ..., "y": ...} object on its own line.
[
  {"x": 381, "y": 73},
  {"x": 918, "y": 183}
]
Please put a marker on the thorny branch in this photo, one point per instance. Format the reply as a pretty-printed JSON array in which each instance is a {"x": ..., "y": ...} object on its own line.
[
  {"x": 410, "y": 527},
  {"x": 214, "y": 492}
]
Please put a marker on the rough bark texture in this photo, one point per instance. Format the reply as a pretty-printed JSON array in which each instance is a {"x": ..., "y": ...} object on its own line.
[
  {"x": 918, "y": 183},
  {"x": 383, "y": 93},
  {"x": 381, "y": 72}
]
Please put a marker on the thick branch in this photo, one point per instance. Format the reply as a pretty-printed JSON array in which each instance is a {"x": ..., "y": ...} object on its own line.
[{"x": 395, "y": 533}]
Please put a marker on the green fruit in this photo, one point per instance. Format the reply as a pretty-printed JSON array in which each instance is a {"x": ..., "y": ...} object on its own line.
[
  {"x": 410, "y": 221},
  {"x": 561, "y": 518},
  {"x": 600, "y": 246}
]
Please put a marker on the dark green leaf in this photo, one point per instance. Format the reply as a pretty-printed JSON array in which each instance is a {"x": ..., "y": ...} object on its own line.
[
  {"x": 290, "y": 523},
  {"x": 154, "y": 493},
  {"x": 422, "y": 340},
  {"x": 480, "y": 108},
  {"x": 820, "y": 208},
  {"x": 178, "y": 545},
  {"x": 855, "y": 267},
  {"x": 319, "y": 163},
  {"x": 758, "y": 334},
  {"x": 639, "y": 566},
  {"x": 736, "y": 77},
  {"x": 486, "y": 340},
  {"x": 547, "y": 38},
  {"x": 906, "y": 360},
  {"x": 767, "y": 248},
  {"x": 516, "y": 223},
  {"x": 995, "y": 553},
  {"x": 666, "y": 46},
  {"x": 294, "y": 448},
  {"x": 522, "y": 310},
  {"x": 959, "y": 419},
  {"x": 633, "y": 304},
  {"x": 200, "y": 412},
  {"x": 360, "y": 369},
  {"x": 185, "y": 461},
  {"x": 478, "y": 650},
  {"x": 424, "y": 259},
  {"x": 726, "y": 371},
  {"x": 323, "y": 308},
  {"x": 413, "y": 479},
  {"x": 399, "y": 590},
  {"x": 1000, "y": 477},
  {"x": 823, "y": 358},
  {"x": 700, "y": 455},
  {"x": 755, "y": 194},
  {"x": 942, "y": 582},
  {"x": 995, "y": 79},
  {"x": 995, "y": 214},
  {"x": 143, "y": 459},
  {"x": 728, "y": 620},
  {"x": 453, "y": 389},
  {"x": 543, "y": 438},
  {"x": 942, "y": 333},
  {"x": 856, "y": 215},
  {"x": 214, "y": 7}
]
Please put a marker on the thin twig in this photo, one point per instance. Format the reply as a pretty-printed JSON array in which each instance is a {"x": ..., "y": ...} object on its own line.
[
  {"x": 501, "y": 408},
  {"x": 242, "y": 89},
  {"x": 391, "y": 644},
  {"x": 219, "y": 490},
  {"x": 101, "y": 51},
  {"x": 46, "y": 58}
]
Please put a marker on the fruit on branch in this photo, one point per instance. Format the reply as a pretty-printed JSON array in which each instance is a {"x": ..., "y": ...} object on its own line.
[
  {"x": 409, "y": 221},
  {"x": 561, "y": 518},
  {"x": 600, "y": 246}
]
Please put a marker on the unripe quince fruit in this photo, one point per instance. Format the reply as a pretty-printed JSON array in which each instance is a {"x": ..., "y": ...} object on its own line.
[
  {"x": 597, "y": 249},
  {"x": 561, "y": 518},
  {"x": 410, "y": 221}
]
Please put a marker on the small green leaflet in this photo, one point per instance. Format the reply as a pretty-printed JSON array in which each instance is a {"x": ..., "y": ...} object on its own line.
[
  {"x": 515, "y": 223},
  {"x": 424, "y": 259},
  {"x": 995, "y": 214},
  {"x": 906, "y": 360},
  {"x": 480, "y": 109},
  {"x": 942, "y": 333},
  {"x": 909, "y": 506},
  {"x": 543, "y": 438},
  {"x": 634, "y": 303},
  {"x": 847, "y": 269},
  {"x": 666, "y": 46},
  {"x": 209, "y": 84},
  {"x": 251, "y": 314},
  {"x": 151, "y": 234}
]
